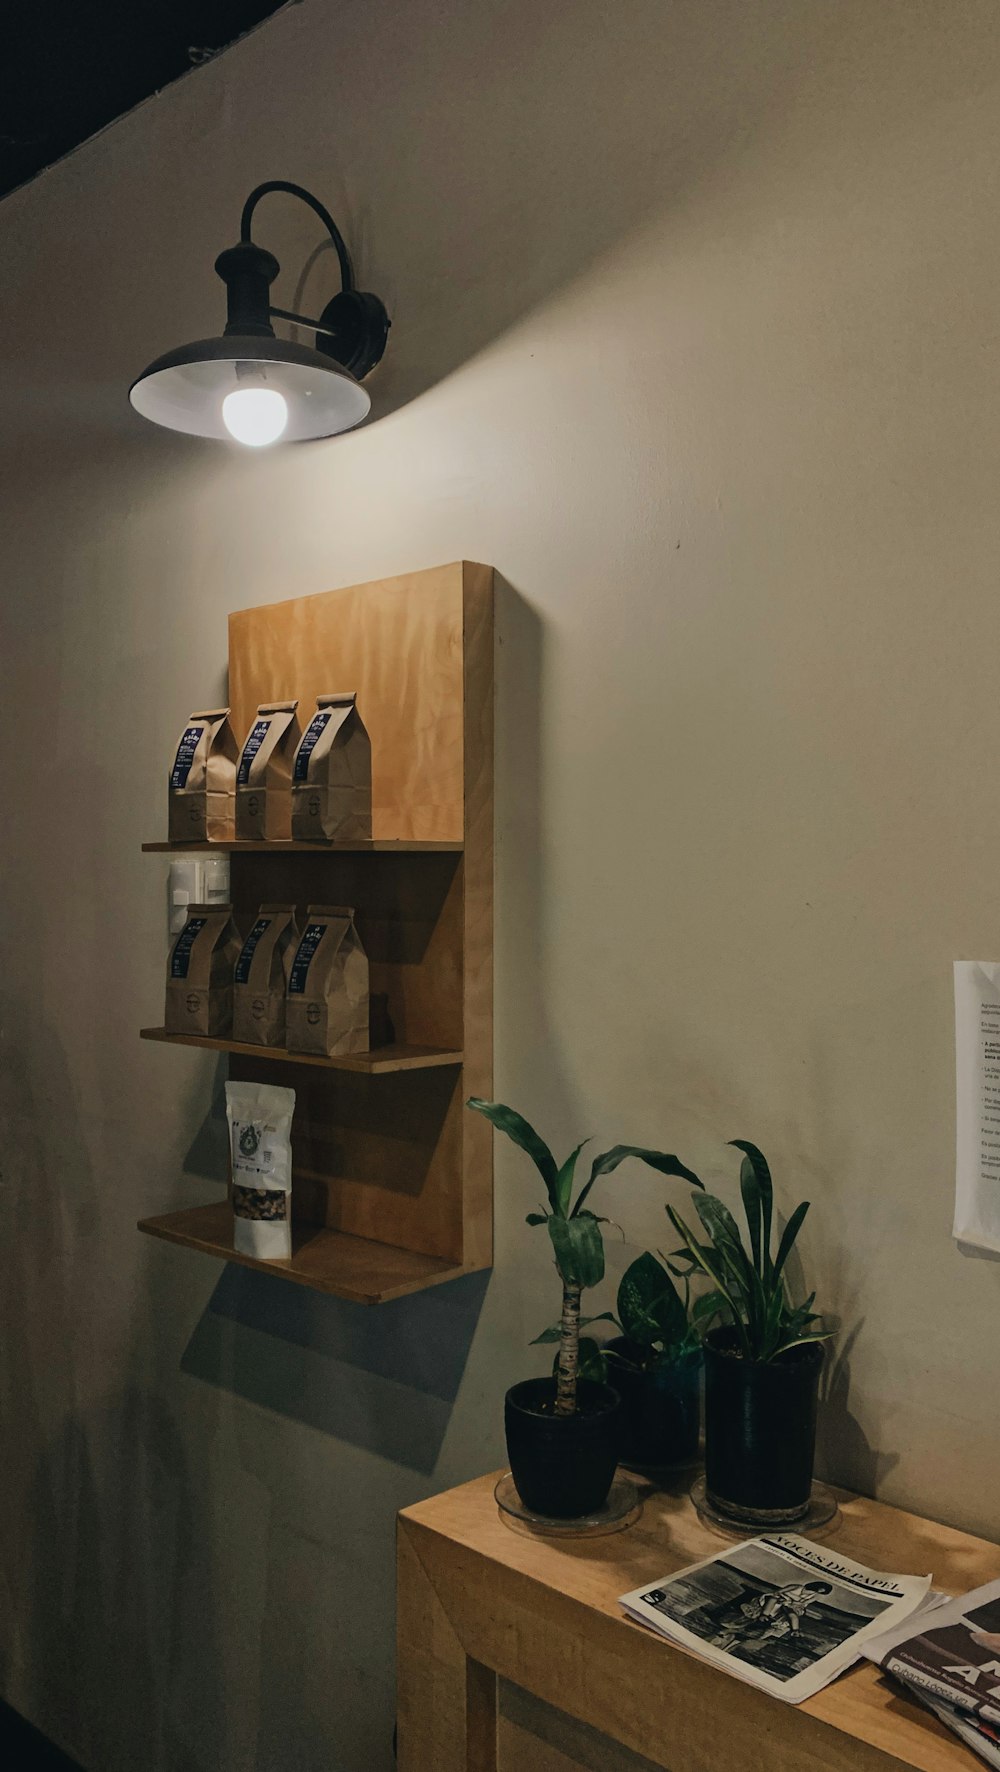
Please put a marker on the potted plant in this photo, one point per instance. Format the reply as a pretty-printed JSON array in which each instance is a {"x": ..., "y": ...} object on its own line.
[
  {"x": 563, "y": 1432},
  {"x": 655, "y": 1364},
  {"x": 762, "y": 1364}
]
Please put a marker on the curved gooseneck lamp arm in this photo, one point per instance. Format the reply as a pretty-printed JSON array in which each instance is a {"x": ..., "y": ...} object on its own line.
[
  {"x": 320, "y": 209},
  {"x": 353, "y": 327}
]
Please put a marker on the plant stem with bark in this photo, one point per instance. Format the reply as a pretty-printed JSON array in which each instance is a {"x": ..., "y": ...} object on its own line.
[{"x": 569, "y": 1351}]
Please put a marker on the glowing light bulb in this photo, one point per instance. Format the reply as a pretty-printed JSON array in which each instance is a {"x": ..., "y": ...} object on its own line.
[{"x": 255, "y": 416}]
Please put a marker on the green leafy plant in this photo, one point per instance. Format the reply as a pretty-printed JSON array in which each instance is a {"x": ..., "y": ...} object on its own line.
[
  {"x": 574, "y": 1230},
  {"x": 664, "y": 1326},
  {"x": 749, "y": 1285}
]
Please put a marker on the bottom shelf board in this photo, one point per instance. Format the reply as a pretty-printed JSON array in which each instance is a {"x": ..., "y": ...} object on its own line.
[{"x": 330, "y": 1261}]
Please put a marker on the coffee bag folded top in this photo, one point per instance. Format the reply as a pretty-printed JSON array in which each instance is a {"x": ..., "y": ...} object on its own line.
[
  {"x": 261, "y": 976},
  {"x": 202, "y": 794},
  {"x": 200, "y": 973},
  {"x": 327, "y": 1008},
  {"x": 332, "y": 775},
  {"x": 260, "y": 1145},
  {"x": 263, "y": 778}
]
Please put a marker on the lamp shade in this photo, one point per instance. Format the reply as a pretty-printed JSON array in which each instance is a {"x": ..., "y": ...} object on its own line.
[{"x": 186, "y": 389}]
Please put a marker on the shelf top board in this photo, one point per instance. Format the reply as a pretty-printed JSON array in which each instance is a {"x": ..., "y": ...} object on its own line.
[
  {"x": 380, "y": 847},
  {"x": 379, "y": 1061},
  {"x": 350, "y": 1267}
]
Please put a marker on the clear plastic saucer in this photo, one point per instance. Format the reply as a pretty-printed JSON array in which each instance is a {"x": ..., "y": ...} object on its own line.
[
  {"x": 821, "y": 1513},
  {"x": 622, "y": 1508}
]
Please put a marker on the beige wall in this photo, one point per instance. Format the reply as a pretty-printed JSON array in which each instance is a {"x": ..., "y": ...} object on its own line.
[{"x": 696, "y": 340}]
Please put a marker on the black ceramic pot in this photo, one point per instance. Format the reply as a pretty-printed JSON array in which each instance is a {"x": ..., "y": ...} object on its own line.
[
  {"x": 661, "y": 1408},
  {"x": 562, "y": 1465},
  {"x": 760, "y": 1431}
]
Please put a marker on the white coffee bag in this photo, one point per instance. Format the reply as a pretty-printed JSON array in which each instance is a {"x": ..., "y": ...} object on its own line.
[{"x": 260, "y": 1144}]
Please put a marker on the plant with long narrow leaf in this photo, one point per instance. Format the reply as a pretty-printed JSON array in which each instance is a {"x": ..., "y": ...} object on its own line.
[
  {"x": 749, "y": 1285},
  {"x": 574, "y": 1229}
]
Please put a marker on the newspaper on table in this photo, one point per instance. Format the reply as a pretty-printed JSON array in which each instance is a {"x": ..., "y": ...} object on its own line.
[
  {"x": 778, "y": 1612},
  {"x": 952, "y": 1664}
]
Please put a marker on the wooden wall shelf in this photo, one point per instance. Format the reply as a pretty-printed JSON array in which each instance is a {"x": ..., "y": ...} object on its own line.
[
  {"x": 355, "y": 1268},
  {"x": 392, "y": 1186},
  {"x": 381, "y": 1061}
]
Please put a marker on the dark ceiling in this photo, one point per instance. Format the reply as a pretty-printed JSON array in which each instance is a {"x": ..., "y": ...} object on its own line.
[{"x": 68, "y": 67}]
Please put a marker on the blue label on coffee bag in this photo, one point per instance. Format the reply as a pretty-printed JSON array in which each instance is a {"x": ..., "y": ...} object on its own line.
[
  {"x": 310, "y": 739},
  {"x": 243, "y": 964},
  {"x": 250, "y": 749},
  {"x": 185, "y": 756},
  {"x": 312, "y": 936},
  {"x": 180, "y": 959}
]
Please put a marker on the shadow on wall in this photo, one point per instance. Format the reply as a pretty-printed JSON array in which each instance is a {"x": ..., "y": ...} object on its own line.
[
  {"x": 98, "y": 1599},
  {"x": 383, "y": 1378},
  {"x": 97, "y": 1550},
  {"x": 844, "y": 1450}
]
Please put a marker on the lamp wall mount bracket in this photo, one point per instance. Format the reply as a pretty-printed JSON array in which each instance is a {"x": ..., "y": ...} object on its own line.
[{"x": 352, "y": 329}]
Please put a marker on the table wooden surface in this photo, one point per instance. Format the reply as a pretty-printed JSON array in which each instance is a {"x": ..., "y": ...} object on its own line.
[{"x": 513, "y": 1651}]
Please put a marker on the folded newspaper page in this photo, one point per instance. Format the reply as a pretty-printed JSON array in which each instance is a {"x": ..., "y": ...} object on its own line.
[
  {"x": 983, "y": 1738},
  {"x": 952, "y": 1663},
  {"x": 779, "y": 1612}
]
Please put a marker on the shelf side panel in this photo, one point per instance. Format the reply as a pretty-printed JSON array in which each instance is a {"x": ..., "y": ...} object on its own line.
[{"x": 477, "y": 930}]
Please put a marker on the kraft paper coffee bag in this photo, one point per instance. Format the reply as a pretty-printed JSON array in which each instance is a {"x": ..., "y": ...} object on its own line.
[
  {"x": 200, "y": 973},
  {"x": 261, "y": 977},
  {"x": 202, "y": 794},
  {"x": 260, "y": 1145},
  {"x": 263, "y": 778},
  {"x": 332, "y": 775},
  {"x": 327, "y": 1008}
]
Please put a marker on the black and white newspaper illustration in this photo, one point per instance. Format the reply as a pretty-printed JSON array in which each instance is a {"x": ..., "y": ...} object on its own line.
[{"x": 779, "y": 1612}]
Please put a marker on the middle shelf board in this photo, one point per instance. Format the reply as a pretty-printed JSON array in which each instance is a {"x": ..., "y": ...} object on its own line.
[
  {"x": 378, "y": 1062},
  {"x": 378, "y": 847}
]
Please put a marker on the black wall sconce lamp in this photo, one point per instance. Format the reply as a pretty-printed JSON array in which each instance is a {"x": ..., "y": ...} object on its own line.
[{"x": 249, "y": 385}]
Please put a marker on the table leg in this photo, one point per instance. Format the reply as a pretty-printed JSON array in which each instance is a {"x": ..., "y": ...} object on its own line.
[{"x": 480, "y": 1717}]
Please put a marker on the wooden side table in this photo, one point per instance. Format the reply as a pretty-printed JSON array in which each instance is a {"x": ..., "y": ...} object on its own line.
[{"x": 514, "y": 1655}]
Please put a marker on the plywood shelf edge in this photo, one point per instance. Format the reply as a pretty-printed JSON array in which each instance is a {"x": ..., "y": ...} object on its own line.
[
  {"x": 380, "y": 1061},
  {"x": 380, "y": 846},
  {"x": 353, "y": 1268}
]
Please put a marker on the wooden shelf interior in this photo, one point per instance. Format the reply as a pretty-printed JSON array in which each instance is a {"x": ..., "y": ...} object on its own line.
[
  {"x": 381, "y": 1061},
  {"x": 384, "y": 1152},
  {"x": 355, "y": 1268}
]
